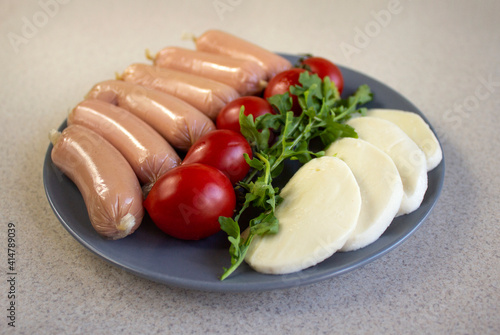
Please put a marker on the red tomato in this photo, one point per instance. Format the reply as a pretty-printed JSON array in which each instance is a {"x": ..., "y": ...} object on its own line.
[
  {"x": 323, "y": 67},
  {"x": 281, "y": 83},
  {"x": 186, "y": 202},
  {"x": 229, "y": 116},
  {"x": 224, "y": 150}
]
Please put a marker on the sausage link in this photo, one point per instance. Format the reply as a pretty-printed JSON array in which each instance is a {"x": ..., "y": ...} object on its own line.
[
  {"x": 149, "y": 154},
  {"x": 246, "y": 77},
  {"x": 109, "y": 186},
  {"x": 220, "y": 42},
  {"x": 208, "y": 96},
  {"x": 177, "y": 121}
]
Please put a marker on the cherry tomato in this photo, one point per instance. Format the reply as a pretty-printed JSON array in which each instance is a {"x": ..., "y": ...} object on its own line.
[
  {"x": 281, "y": 83},
  {"x": 223, "y": 149},
  {"x": 186, "y": 202},
  {"x": 323, "y": 67},
  {"x": 229, "y": 116}
]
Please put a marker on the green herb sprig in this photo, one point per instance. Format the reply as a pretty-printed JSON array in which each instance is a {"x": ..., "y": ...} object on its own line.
[{"x": 323, "y": 116}]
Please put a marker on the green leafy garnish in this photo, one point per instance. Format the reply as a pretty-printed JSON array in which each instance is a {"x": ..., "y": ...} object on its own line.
[{"x": 323, "y": 116}]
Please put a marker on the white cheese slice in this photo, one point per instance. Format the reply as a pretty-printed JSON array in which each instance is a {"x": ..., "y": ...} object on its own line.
[
  {"x": 409, "y": 159},
  {"x": 417, "y": 129},
  {"x": 320, "y": 209},
  {"x": 380, "y": 186}
]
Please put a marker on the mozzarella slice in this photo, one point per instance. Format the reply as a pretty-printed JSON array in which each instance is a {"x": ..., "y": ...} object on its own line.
[
  {"x": 417, "y": 129},
  {"x": 380, "y": 186},
  {"x": 409, "y": 159},
  {"x": 320, "y": 209}
]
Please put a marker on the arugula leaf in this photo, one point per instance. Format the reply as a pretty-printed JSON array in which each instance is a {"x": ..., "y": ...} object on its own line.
[
  {"x": 282, "y": 102},
  {"x": 254, "y": 162},
  {"x": 362, "y": 95},
  {"x": 323, "y": 116},
  {"x": 256, "y": 138},
  {"x": 334, "y": 130},
  {"x": 232, "y": 229},
  {"x": 264, "y": 223}
]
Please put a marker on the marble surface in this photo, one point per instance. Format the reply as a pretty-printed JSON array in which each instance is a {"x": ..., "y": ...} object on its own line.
[{"x": 443, "y": 56}]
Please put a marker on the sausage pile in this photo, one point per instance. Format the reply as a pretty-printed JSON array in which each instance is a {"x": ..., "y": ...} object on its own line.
[{"x": 127, "y": 131}]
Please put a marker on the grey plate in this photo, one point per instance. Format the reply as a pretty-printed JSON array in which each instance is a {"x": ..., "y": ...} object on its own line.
[{"x": 198, "y": 264}]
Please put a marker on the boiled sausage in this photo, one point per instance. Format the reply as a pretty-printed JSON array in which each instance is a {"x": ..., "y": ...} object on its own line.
[
  {"x": 148, "y": 153},
  {"x": 220, "y": 42},
  {"x": 208, "y": 96},
  {"x": 109, "y": 186},
  {"x": 244, "y": 76},
  {"x": 177, "y": 121}
]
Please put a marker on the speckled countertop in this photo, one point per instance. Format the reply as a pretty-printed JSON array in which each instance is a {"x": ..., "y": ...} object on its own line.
[{"x": 443, "y": 56}]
